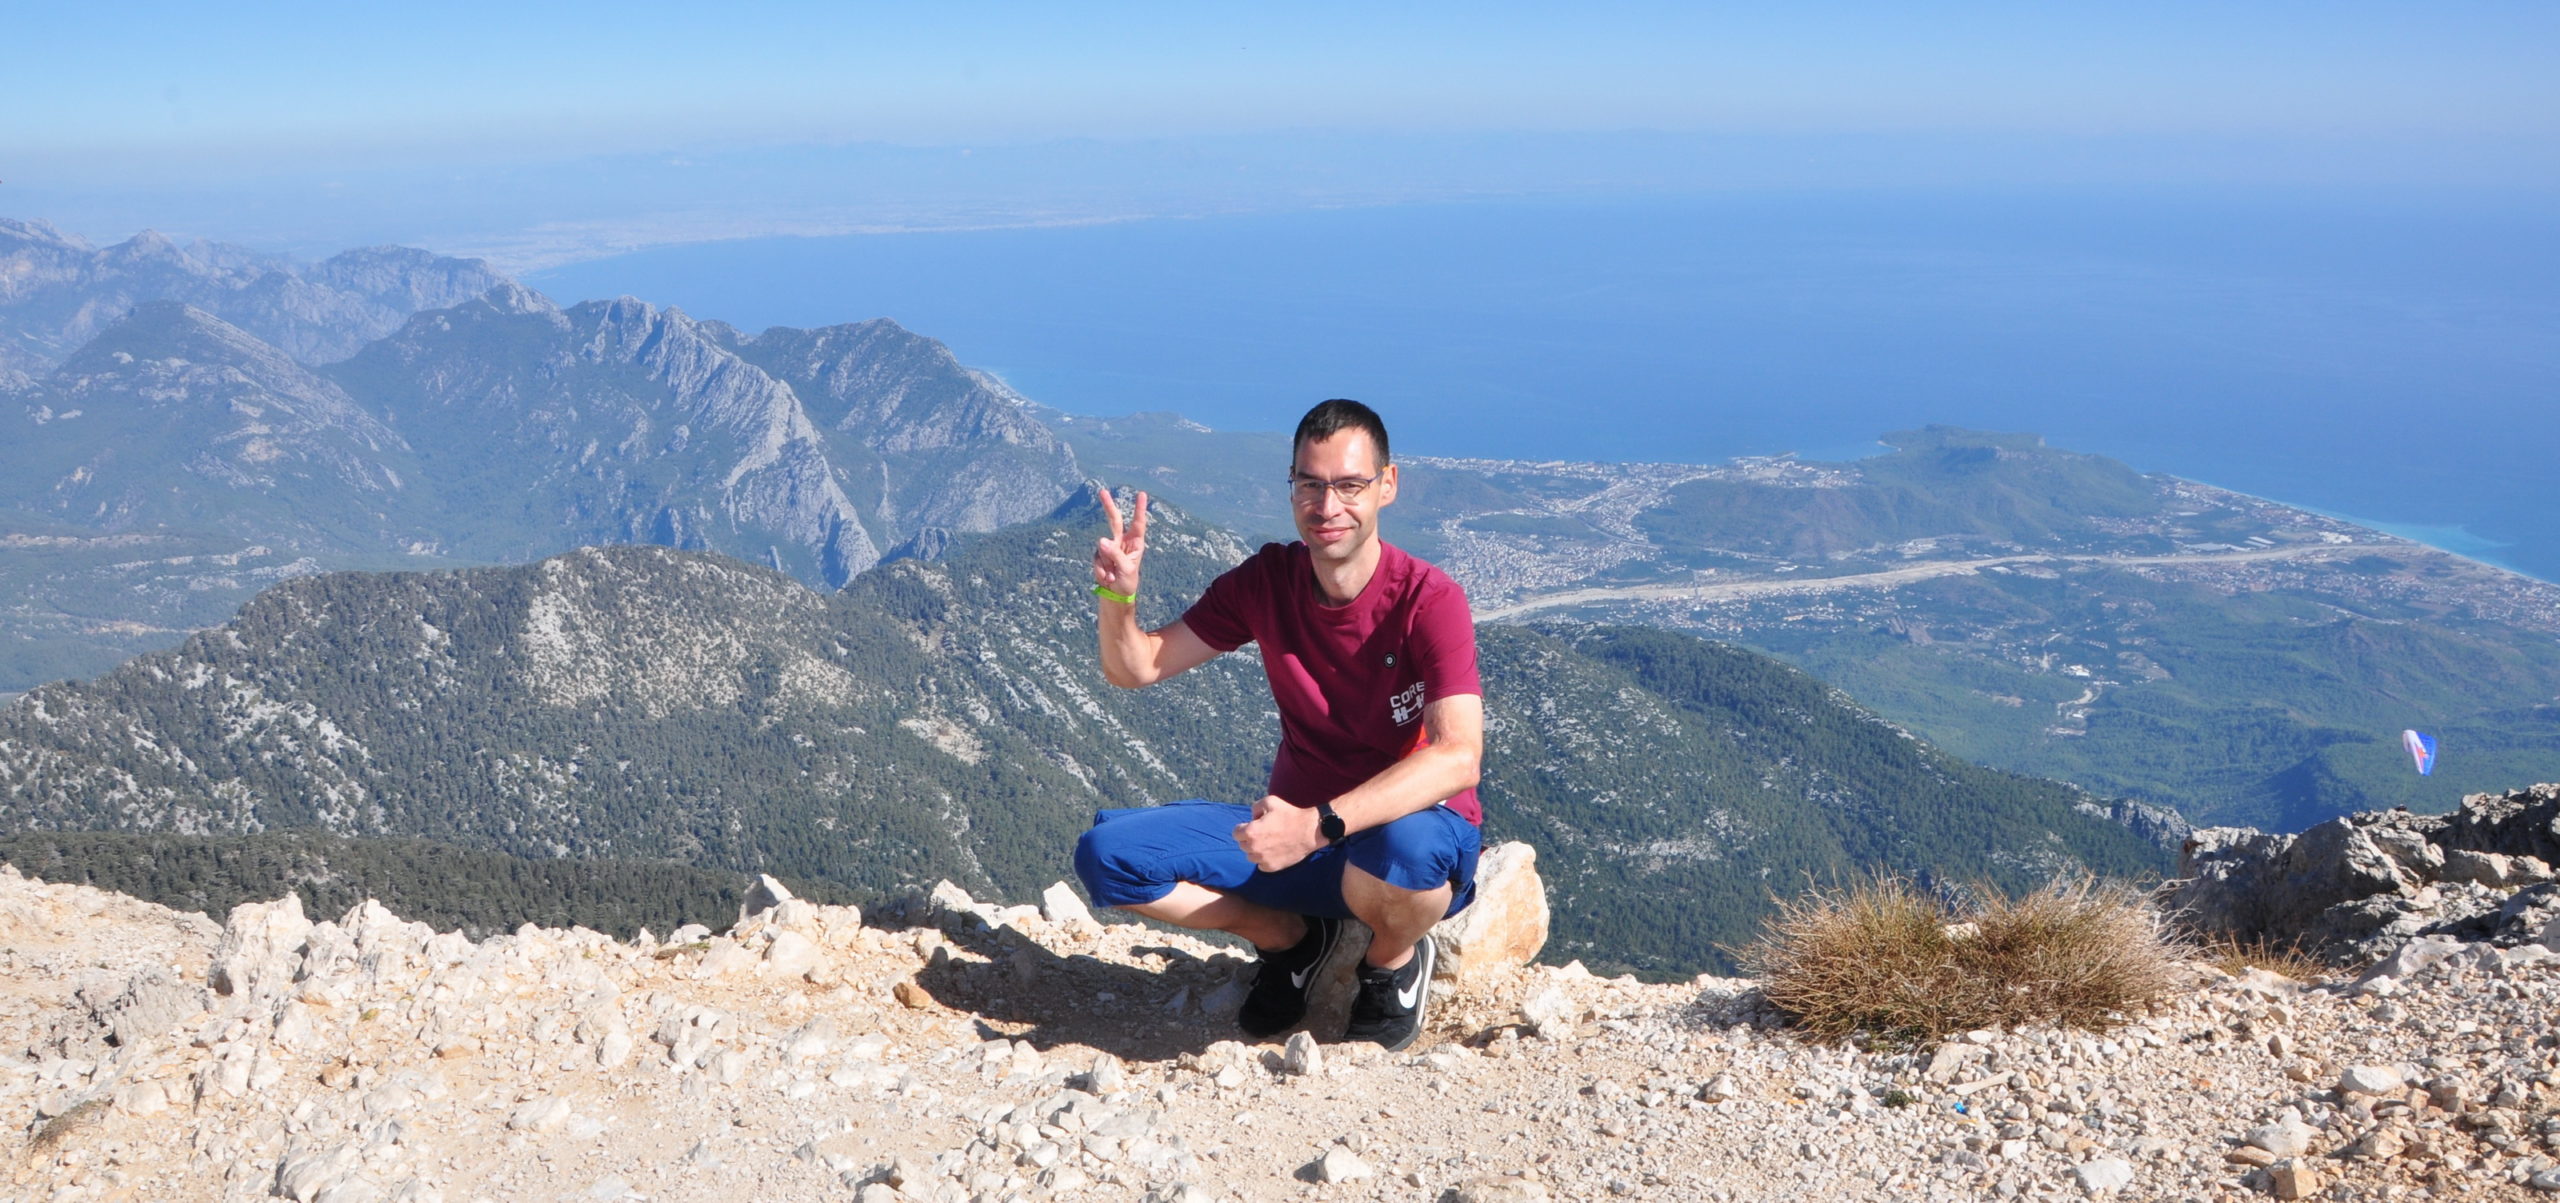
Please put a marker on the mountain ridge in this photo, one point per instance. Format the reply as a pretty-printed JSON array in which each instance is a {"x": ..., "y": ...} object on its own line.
[
  {"x": 57, "y": 291},
  {"x": 173, "y": 417},
  {"x": 170, "y": 464},
  {"x": 647, "y": 702},
  {"x": 637, "y": 424},
  {"x": 2041, "y": 609}
]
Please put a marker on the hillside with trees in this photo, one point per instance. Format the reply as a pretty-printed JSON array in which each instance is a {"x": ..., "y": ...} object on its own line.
[{"x": 944, "y": 719}]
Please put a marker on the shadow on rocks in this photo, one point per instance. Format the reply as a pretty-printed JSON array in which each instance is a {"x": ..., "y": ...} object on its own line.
[{"x": 1174, "y": 1002}]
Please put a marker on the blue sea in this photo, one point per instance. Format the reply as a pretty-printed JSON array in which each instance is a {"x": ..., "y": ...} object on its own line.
[{"x": 2392, "y": 358}]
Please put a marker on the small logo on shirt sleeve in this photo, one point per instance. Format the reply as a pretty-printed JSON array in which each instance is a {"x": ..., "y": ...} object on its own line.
[{"x": 1391, "y": 659}]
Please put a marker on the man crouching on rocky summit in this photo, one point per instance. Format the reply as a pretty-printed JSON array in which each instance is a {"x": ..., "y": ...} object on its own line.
[{"x": 1372, "y": 810}]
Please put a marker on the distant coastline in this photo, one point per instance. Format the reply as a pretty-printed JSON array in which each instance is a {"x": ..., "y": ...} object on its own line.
[
  {"x": 2264, "y": 346},
  {"x": 2451, "y": 540}
]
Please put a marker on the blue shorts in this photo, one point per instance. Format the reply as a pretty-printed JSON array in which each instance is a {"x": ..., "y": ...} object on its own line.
[{"x": 1135, "y": 856}]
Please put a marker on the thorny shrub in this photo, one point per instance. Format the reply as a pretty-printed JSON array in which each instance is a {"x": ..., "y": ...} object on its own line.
[{"x": 1887, "y": 960}]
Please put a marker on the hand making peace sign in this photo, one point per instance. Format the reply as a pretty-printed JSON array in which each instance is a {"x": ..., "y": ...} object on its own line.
[{"x": 1115, "y": 559}]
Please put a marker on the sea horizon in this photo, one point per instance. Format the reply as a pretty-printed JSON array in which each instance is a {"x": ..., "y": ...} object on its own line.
[{"x": 2366, "y": 358}]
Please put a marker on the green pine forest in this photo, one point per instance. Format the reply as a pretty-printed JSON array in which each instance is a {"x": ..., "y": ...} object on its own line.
[{"x": 943, "y": 719}]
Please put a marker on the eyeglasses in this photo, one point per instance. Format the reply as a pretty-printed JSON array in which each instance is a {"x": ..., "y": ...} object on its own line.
[{"x": 1309, "y": 490}]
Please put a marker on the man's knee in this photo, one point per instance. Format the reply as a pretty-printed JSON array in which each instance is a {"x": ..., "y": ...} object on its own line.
[
  {"x": 1430, "y": 853},
  {"x": 1417, "y": 853},
  {"x": 1410, "y": 842},
  {"x": 1102, "y": 868},
  {"x": 1109, "y": 876},
  {"x": 1360, "y": 883}
]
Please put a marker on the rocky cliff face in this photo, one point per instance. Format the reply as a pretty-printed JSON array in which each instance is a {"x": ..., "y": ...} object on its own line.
[
  {"x": 506, "y": 428},
  {"x": 953, "y": 450},
  {"x": 610, "y": 422},
  {"x": 962, "y": 1050},
  {"x": 2355, "y": 888}
]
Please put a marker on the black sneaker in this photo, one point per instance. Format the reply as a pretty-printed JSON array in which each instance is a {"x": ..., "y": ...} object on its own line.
[
  {"x": 1389, "y": 1008},
  {"x": 1281, "y": 986}
]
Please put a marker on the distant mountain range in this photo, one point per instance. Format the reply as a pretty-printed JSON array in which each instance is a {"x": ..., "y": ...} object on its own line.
[
  {"x": 188, "y": 426},
  {"x": 2038, "y": 609},
  {"x": 173, "y": 461},
  {"x": 945, "y": 719},
  {"x": 59, "y": 292}
]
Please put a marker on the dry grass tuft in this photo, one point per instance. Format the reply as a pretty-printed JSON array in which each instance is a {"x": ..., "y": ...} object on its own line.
[
  {"x": 1873, "y": 959},
  {"x": 50, "y": 1136},
  {"x": 1886, "y": 960},
  {"x": 2235, "y": 957}
]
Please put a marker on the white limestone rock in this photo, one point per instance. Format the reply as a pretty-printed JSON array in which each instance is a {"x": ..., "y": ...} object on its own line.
[
  {"x": 1107, "y": 1075},
  {"x": 1301, "y": 1056},
  {"x": 951, "y": 899},
  {"x": 2287, "y": 1137},
  {"x": 2372, "y": 1079},
  {"x": 540, "y": 1115},
  {"x": 1059, "y": 904},
  {"x": 2104, "y": 1175},
  {"x": 791, "y": 954},
  {"x": 763, "y": 896},
  {"x": 307, "y": 1172},
  {"x": 722, "y": 958},
  {"x": 261, "y": 947},
  {"x": 1506, "y": 925},
  {"x": 1342, "y": 1165},
  {"x": 809, "y": 1041},
  {"x": 1552, "y": 1014},
  {"x": 2411, "y": 957}
]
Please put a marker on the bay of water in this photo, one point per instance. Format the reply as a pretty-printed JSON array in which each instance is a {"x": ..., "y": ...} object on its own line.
[{"x": 2396, "y": 359}]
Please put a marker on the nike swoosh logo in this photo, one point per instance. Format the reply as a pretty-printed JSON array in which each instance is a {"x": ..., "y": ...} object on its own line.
[
  {"x": 1408, "y": 998},
  {"x": 1298, "y": 977}
]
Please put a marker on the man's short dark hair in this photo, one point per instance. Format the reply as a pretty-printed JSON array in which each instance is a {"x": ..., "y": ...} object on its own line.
[{"x": 1333, "y": 417}]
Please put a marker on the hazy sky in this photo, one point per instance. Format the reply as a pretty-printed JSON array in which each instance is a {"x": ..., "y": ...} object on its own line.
[
  {"x": 92, "y": 83},
  {"x": 467, "y": 125}
]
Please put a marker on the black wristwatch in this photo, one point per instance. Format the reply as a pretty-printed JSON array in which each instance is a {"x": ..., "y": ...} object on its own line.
[{"x": 1329, "y": 824}]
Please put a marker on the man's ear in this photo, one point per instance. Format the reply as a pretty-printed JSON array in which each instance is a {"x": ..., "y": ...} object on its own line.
[{"x": 1387, "y": 485}]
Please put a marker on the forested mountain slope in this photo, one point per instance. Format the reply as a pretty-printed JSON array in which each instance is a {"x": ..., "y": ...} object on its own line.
[
  {"x": 2043, "y": 610},
  {"x": 472, "y": 890},
  {"x": 944, "y": 719}
]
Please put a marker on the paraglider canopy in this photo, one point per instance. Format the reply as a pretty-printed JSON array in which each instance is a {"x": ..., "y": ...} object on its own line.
[{"x": 2422, "y": 750}]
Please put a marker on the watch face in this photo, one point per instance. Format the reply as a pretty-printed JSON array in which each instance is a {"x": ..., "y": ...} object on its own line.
[{"x": 1332, "y": 826}]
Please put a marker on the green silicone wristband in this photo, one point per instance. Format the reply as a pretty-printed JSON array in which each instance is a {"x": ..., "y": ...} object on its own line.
[{"x": 1126, "y": 599}]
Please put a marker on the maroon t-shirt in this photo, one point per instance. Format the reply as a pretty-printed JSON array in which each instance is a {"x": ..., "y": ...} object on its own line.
[{"x": 1350, "y": 680}]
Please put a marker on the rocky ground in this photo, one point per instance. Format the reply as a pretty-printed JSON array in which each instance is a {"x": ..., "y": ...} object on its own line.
[
  {"x": 2358, "y": 887},
  {"x": 971, "y": 1052}
]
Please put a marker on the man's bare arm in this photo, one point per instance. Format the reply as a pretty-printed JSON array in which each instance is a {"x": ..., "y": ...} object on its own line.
[
  {"x": 1281, "y": 835},
  {"x": 1133, "y": 658},
  {"x": 1450, "y": 764}
]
